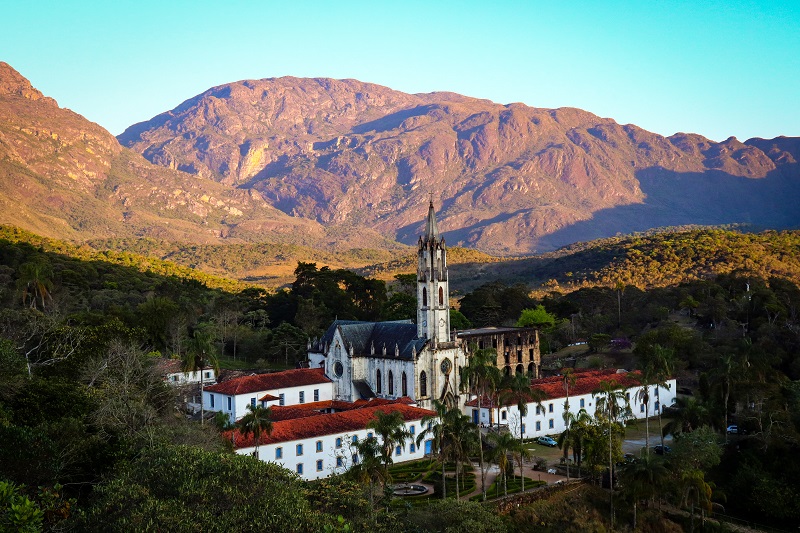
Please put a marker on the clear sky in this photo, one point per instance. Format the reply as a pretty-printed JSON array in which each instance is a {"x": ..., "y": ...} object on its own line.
[{"x": 714, "y": 68}]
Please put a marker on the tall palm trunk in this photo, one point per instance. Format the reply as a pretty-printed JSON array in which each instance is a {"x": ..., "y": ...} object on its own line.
[
  {"x": 611, "y": 473},
  {"x": 480, "y": 451},
  {"x": 646, "y": 427},
  {"x": 202, "y": 412},
  {"x": 444, "y": 484}
]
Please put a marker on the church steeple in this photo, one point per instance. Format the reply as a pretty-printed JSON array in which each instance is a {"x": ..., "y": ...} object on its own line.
[
  {"x": 431, "y": 232},
  {"x": 433, "y": 290}
]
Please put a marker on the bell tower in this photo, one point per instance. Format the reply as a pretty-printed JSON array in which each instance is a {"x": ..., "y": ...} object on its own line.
[{"x": 433, "y": 290}]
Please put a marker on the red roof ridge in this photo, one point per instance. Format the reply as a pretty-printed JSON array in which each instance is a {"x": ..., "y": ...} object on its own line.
[
  {"x": 272, "y": 381},
  {"x": 319, "y": 425}
]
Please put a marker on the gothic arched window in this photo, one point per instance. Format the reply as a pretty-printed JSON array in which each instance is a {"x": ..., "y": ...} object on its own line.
[
  {"x": 441, "y": 296},
  {"x": 424, "y": 297},
  {"x": 404, "y": 384},
  {"x": 391, "y": 383},
  {"x": 378, "y": 386},
  {"x": 423, "y": 384}
]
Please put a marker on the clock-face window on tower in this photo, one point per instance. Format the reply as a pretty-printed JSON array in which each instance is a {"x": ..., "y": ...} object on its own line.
[
  {"x": 424, "y": 297},
  {"x": 423, "y": 384},
  {"x": 441, "y": 296},
  {"x": 378, "y": 386}
]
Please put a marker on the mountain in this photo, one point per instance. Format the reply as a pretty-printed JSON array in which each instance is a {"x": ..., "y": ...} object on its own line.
[
  {"x": 62, "y": 176},
  {"x": 508, "y": 179}
]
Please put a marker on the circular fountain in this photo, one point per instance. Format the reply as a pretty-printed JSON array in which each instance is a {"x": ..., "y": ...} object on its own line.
[{"x": 408, "y": 489}]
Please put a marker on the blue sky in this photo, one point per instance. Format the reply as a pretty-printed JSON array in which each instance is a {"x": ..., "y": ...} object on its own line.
[{"x": 714, "y": 68}]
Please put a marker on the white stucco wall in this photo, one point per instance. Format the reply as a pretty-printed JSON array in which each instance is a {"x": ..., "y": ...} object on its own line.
[
  {"x": 328, "y": 452},
  {"x": 236, "y": 406},
  {"x": 188, "y": 378},
  {"x": 552, "y": 411}
]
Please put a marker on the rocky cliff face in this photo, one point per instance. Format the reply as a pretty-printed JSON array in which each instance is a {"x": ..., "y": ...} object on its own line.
[
  {"x": 508, "y": 178},
  {"x": 65, "y": 177}
]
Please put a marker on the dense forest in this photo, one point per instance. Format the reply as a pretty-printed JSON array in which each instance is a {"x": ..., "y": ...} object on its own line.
[{"x": 92, "y": 439}]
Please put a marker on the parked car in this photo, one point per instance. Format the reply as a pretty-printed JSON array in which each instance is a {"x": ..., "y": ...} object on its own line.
[
  {"x": 734, "y": 429},
  {"x": 661, "y": 450},
  {"x": 546, "y": 441}
]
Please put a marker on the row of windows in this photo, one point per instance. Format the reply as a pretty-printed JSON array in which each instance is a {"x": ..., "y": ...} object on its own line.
[
  {"x": 403, "y": 383},
  {"x": 507, "y": 342},
  {"x": 354, "y": 440},
  {"x": 339, "y": 460},
  {"x": 425, "y": 296},
  {"x": 282, "y": 399}
]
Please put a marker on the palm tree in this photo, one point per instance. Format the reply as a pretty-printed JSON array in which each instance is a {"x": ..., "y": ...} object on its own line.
[
  {"x": 435, "y": 428},
  {"x": 256, "y": 422},
  {"x": 689, "y": 414},
  {"x": 34, "y": 280},
  {"x": 370, "y": 467},
  {"x": 462, "y": 439},
  {"x": 517, "y": 390},
  {"x": 609, "y": 397},
  {"x": 504, "y": 445},
  {"x": 567, "y": 380},
  {"x": 642, "y": 479},
  {"x": 392, "y": 429},
  {"x": 573, "y": 437},
  {"x": 481, "y": 376},
  {"x": 662, "y": 361},
  {"x": 199, "y": 355}
]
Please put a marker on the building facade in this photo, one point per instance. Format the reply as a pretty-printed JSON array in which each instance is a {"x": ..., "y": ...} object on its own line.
[
  {"x": 290, "y": 387},
  {"x": 517, "y": 349},
  {"x": 395, "y": 359},
  {"x": 317, "y": 445},
  {"x": 547, "y": 417}
]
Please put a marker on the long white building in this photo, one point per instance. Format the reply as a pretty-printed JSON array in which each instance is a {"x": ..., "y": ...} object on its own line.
[
  {"x": 547, "y": 418},
  {"x": 315, "y": 445},
  {"x": 290, "y": 387}
]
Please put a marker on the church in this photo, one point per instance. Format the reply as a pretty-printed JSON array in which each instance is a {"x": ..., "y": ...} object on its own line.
[{"x": 398, "y": 359}]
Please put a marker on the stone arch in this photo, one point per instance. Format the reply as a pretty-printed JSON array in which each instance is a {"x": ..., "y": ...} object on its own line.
[
  {"x": 520, "y": 369},
  {"x": 441, "y": 296}
]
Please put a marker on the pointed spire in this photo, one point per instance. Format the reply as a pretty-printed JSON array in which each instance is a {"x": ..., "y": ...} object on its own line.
[{"x": 431, "y": 231}]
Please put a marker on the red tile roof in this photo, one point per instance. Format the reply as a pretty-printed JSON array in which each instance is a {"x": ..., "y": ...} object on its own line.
[
  {"x": 269, "y": 398},
  {"x": 585, "y": 383},
  {"x": 288, "y": 412},
  {"x": 272, "y": 381},
  {"x": 327, "y": 424}
]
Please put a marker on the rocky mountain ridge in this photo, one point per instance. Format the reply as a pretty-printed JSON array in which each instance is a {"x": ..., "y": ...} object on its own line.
[
  {"x": 62, "y": 176},
  {"x": 509, "y": 178}
]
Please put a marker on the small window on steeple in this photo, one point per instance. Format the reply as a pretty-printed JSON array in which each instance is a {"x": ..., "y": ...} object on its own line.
[
  {"x": 424, "y": 297},
  {"x": 441, "y": 296}
]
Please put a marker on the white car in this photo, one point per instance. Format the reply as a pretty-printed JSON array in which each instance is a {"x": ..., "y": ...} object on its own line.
[{"x": 551, "y": 471}]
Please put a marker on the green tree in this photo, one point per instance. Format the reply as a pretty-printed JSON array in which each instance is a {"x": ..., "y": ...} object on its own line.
[
  {"x": 504, "y": 444},
  {"x": 436, "y": 430},
  {"x": 613, "y": 406},
  {"x": 643, "y": 478},
  {"x": 391, "y": 427},
  {"x": 201, "y": 353},
  {"x": 481, "y": 378},
  {"x": 370, "y": 467},
  {"x": 35, "y": 281},
  {"x": 17, "y": 511},
  {"x": 255, "y": 422},
  {"x": 184, "y": 489},
  {"x": 537, "y": 318}
]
